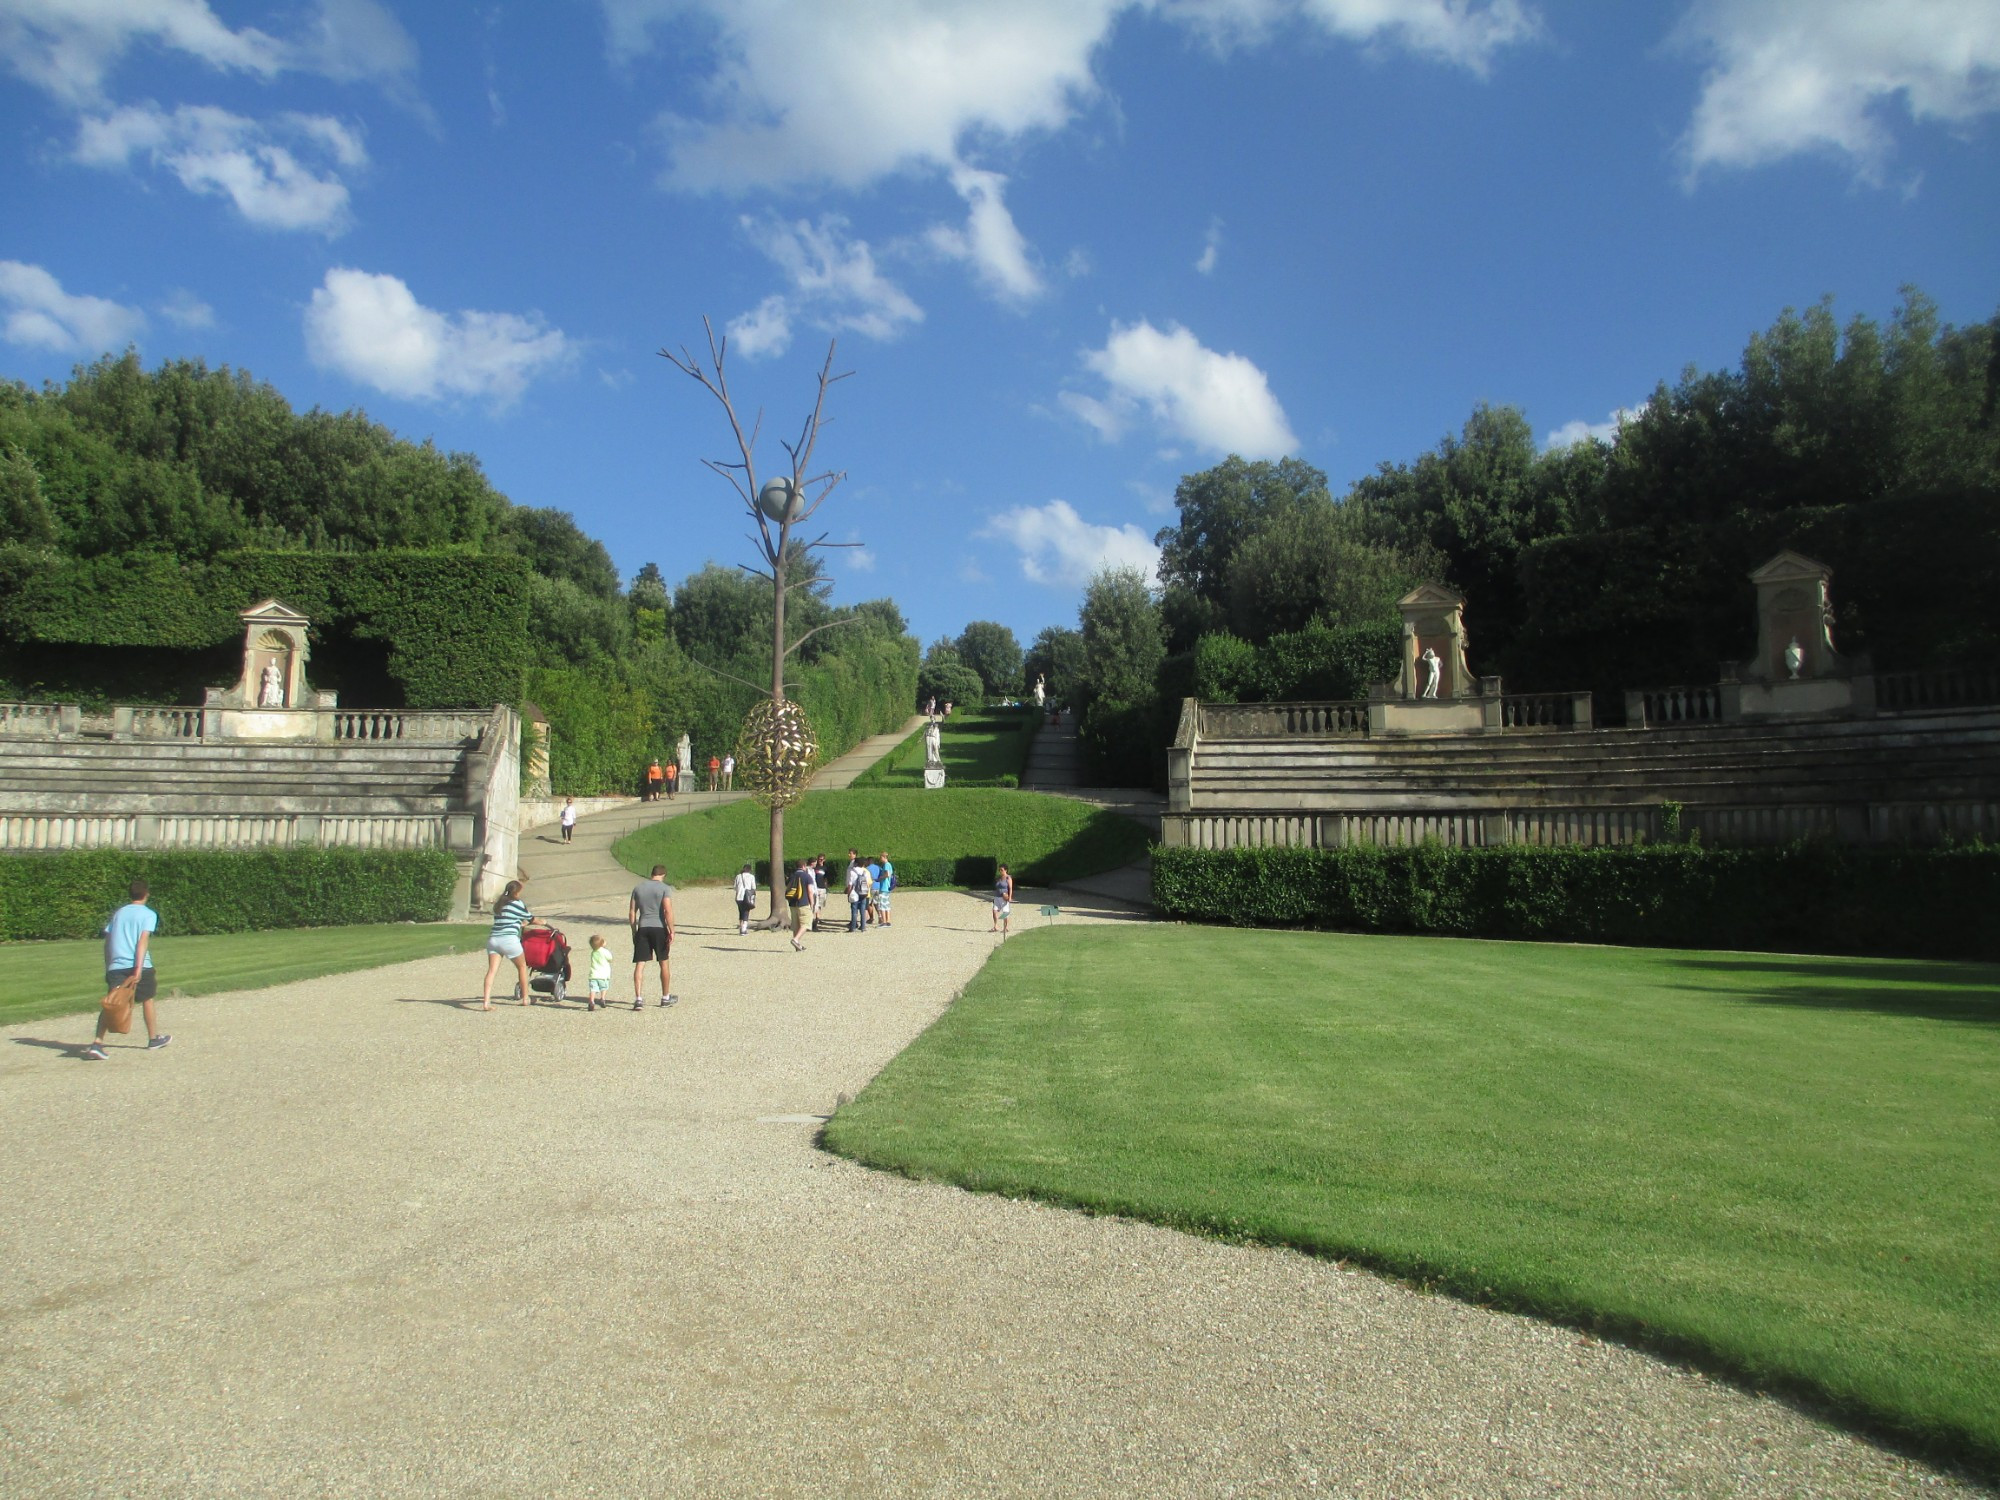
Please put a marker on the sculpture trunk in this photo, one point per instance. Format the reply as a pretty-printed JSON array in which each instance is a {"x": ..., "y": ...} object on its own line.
[{"x": 778, "y": 873}]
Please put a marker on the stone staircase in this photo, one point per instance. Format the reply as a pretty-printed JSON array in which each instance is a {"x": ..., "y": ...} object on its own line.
[
  {"x": 82, "y": 777},
  {"x": 1055, "y": 760},
  {"x": 1889, "y": 778}
]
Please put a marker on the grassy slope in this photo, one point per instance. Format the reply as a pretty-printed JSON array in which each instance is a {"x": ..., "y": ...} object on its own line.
[
  {"x": 1787, "y": 1167},
  {"x": 1045, "y": 839},
  {"x": 978, "y": 746},
  {"x": 38, "y": 980}
]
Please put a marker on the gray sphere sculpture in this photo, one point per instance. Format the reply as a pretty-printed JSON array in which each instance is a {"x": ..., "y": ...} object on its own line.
[{"x": 780, "y": 500}]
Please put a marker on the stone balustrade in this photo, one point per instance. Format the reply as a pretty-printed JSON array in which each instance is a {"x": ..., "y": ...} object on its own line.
[
  {"x": 1234, "y": 721},
  {"x": 54, "y": 831},
  {"x": 1646, "y": 708},
  {"x": 1545, "y": 711},
  {"x": 41, "y": 721},
  {"x": 1937, "y": 687},
  {"x": 51, "y": 721}
]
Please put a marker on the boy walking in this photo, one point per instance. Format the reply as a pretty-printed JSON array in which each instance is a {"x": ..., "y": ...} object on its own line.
[
  {"x": 128, "y": 942},
  {"x": 799, "y": 896}
]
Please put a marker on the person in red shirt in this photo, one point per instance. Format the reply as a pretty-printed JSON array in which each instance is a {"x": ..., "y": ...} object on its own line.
[{"x": 714, "y": 772}]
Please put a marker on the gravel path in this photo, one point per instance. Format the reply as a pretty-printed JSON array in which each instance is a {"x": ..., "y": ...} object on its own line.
[{"x": 349, "y": 1237}]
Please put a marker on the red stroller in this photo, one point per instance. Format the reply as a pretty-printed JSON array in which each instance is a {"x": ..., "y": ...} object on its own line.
[{"x": 547, "y": 952}]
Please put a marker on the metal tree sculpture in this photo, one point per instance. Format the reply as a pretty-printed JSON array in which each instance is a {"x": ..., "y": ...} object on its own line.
[{"x": 776, "y": 751}]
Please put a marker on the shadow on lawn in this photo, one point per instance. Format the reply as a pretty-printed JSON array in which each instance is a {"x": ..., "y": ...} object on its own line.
[{"x": 1963, "y": 992}]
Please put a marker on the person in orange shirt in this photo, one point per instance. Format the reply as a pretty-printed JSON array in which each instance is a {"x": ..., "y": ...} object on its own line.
[
  {"x": 655, "y": 779},
  {"x": 714, "y": 772}
]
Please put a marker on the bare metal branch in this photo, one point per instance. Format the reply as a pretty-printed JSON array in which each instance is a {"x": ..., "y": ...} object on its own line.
[{"x": 844, "y": 620}]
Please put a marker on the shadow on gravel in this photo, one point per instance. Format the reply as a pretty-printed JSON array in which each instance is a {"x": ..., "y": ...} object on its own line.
[
  {"x": 454, "y": 1004},
  {"x": 73, "y": 1049}
]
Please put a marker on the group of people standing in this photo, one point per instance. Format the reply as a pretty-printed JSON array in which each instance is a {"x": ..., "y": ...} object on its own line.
[
  {"x": 869, "y": 885},
  {"x": 664, "y": 780}
]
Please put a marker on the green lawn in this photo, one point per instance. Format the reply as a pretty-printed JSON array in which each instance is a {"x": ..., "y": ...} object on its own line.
[
  {"x": 1044, "y": 839},
  {"x": 979, "y": 745},
  {"x": 1788, "y": 1168},
  {"x": 38, "y": 980}
]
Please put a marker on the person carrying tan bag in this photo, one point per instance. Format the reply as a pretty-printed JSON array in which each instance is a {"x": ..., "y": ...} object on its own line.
[{"x": 128, "y": 970}]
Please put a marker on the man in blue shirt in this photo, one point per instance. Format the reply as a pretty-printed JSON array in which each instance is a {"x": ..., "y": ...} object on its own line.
[{"x": 128, "y": 939}]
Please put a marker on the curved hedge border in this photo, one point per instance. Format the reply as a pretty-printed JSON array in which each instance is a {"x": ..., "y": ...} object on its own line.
[
  {"x": 1812, "y": 898},
  {"x": 68, "y": 895}
]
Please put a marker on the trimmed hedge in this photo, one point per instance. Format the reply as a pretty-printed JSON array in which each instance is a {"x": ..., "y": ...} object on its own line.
[
  {"x": 69, "y": 894},
  {"x": 1815, "y": 898},
  {"x": 453, "y": 625}
]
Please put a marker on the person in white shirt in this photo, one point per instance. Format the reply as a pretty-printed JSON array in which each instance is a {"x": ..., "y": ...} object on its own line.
[
  {"x": 746, "y": 898},
  {"x": 728, "y": 771}
]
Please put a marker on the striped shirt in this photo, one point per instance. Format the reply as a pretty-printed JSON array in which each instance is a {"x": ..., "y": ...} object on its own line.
[{"x": 508, "y": 919}]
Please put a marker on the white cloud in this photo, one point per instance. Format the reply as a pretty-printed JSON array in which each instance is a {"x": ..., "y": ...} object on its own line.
[
  {"x": 860, "y": 559},
  {"x": 220, "y": 154},
  {"x": 1571, "y": 433},
  {"x": 185, "y": 310},
  {"x": 834, "y": 284},
  {"x": 36, "y": 311},
  {"x": 765, "y": 329},
  {"x": 1218, "y": 402},
  {"x": 1791, "y": 76},
  {"x": 1465, "y": 32},
  {"x": 1060, "y": 548},
  {"x": 801, "y": 92},
  {"x": 69, "y": 47},
  {"x": 806, "y": 92},
  {"x": 373, "y": 330},
  {"x": 1211, "y": 246},
  {"x": 990, "y": 241}
]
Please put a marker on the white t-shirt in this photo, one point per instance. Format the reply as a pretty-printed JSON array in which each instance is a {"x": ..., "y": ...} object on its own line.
[
  {"x": 746, "y": 886},
  {"x": 569, "y": 815}
]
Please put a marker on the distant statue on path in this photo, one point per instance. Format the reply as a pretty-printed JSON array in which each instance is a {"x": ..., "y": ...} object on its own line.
[
  {"x": 933, "y": 745},
  {"x": 684, "y": 753},
  {"x": 1433, "y": 673},
  {"x": 1041, "y": 691},
  {"x": 271, "y": 687}
]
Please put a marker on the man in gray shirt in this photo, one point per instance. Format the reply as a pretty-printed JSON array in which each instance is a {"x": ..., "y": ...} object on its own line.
[{"x": 652, "y": 919}]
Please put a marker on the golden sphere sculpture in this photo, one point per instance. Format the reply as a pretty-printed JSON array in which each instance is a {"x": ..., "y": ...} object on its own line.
[{"x": 776, "y": 752}]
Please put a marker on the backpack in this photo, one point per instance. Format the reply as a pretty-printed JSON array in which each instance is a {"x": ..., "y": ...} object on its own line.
[{"x": 795, "y": 889}]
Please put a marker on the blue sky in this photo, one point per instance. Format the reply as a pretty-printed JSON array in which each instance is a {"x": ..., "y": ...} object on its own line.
[{"x": 1073, "y": 249}]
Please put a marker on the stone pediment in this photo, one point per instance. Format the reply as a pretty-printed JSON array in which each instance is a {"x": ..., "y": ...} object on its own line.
[
  {"x": 1431, "y": 594},
  {"x": 272, "y": 612},
  {"x": 1789, "y": 565}
]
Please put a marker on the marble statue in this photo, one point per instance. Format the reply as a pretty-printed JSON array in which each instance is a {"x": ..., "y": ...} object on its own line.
[
  {"x": 684, "y": 751},
  {"x": 933, "y": 745},
  {"x": 1041, "y": 691},
  {"x": 271, "y": 687},
  {"x": 1433, "y": 673}
]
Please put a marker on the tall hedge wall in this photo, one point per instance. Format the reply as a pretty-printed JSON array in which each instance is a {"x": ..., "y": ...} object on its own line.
[
  {"x": 68, "y": 895},
  {"x": 1915, "y": 582},
  {"x": 453, "y": 625},
  {"x": 1812, "y": 898}
]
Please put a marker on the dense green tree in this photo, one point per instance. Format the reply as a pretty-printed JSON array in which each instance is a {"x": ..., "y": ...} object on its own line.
[
  {"x": 990, "y": 650},
  {"x": 1123, "y": 641},
  {"x": 1056, "y": 656},
  {"x": 944, "y": 676},
  {"x": 556, "y": 547},
  {"x": 1312, "y": 562},
  {"x": 1219, "y": 509}
]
